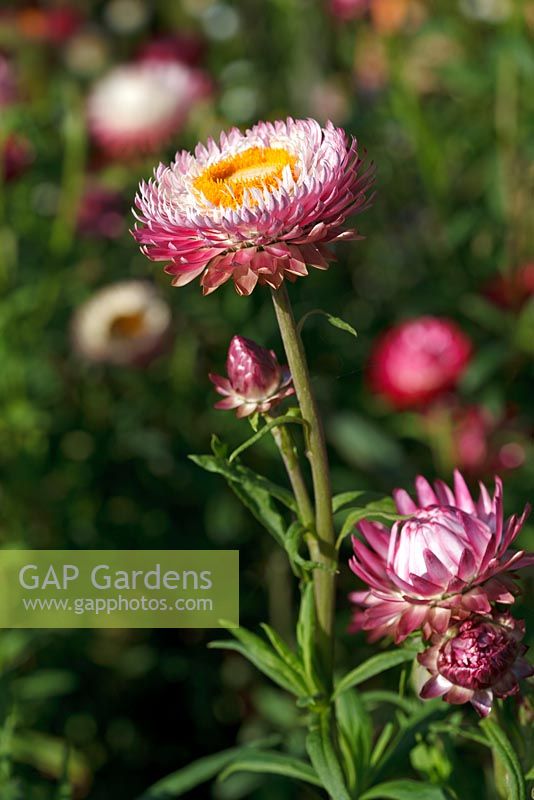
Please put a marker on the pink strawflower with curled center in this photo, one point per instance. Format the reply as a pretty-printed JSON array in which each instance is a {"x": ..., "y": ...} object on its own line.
[
  {"x": 138, "y": 107},
  {"x": 448, "y": 560},
  {"x": 475, "y": 661},
  {"x": 256, "y": 382},
  {"x": 418, "y": 360},
  {"x": 255, "y": 208}
]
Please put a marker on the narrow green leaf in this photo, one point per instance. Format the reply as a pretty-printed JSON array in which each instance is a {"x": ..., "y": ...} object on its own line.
[
  {"x": 356, "y": 729},
  {"x": 502, "y": 748},
  {"x": 261, "y": 506},
  {"x": 374, "y": 666},
  {"x": 386, "y": 734},
  {"x": 237, "y": 473},
  {"x": 274, "y": 764},
  {"x": 325, "y": 760},
  {"x": 286, "y": 654},
  {"x": 361, "y": 495},
  {"x": 286, "y": 419},
  {"x": 194, "y": 774},
  {"x": 306, "y": 632},
  {"x": 381, "y": 510},
  {"x": 293, "y": 540},
  {"x": 258, "y": 652},
  {"x": 336, "y": 322},
  {"x": 403, "y": 790}
]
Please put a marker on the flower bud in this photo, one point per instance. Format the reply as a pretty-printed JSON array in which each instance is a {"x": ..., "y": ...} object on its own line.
[
  {"x": 476, "y": 661},
  {"x": 255, "y": 382}
]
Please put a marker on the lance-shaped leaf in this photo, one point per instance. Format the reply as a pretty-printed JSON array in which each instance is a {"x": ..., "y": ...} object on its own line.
[
  {"x": 274, "y": 764},
  {"x": 403, "y": 790},
  {"x": 506, "y": 756},
  {"x": 324, "y": 758},
  {"x": 306, "y": 633},
  {"x": 259, "y": 653},
  {"x": 291, "y": 418},
  {"x": 382, "y": 510},
  {"x": 374, "y": 666},
  {"x": 356, "y": 736},
  {"x": 336, "y": 322}
]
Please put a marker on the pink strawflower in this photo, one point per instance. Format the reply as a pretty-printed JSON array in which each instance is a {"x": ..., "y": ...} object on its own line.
[
  {"x": 448, "y": 560},
  {"x": 256, "y": 382},
  {"x": 255, "y": 208},
  {"x": 139, "y": 107},
  {"x": 418, "y": 360},
  {"x": 475, "y": 661}
]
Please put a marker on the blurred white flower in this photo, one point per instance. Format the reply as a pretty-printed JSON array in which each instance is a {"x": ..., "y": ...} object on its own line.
[{"x": 125, "y": 323}]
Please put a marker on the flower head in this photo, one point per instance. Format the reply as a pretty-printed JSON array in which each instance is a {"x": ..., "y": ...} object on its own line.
[
  {"x": 138, "y": 107},
  {"x": 475, "y": 661},
  {"x": 255, "y": 382},
  {"x": 256, "y": 207},
  {"x": 418, "y": 360},
  {"x": 126, "y": 323},
  {"x": 449, "y": 559}
]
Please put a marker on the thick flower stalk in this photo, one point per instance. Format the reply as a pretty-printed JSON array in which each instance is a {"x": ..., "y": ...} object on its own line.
[
  {"x": 256, "y": 382},
  {"x": 448, "y": 560},
  {"x": 476, "y": 661},
  {"x": 418, "y": 360},
  {"x": 255, "y": 208}
]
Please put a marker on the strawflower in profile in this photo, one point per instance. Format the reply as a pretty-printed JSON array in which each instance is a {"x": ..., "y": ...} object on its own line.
[
  {"x": 418, "y": 360},
  {"x": 138, "y": 107},
  {"x": 476, "y": 661},
  {"x": 256, "y": 382},
  {"x": 126, "y": 323},
  {"x": 254, "y": 208},
  {"x": 449, "y": 559}
]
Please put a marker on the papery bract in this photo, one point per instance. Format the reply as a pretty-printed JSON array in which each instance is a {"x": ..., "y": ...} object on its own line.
[
  {"x": 256, "y": 382},
  {"x": 418, "y": 360},
  {"x": 475, "y": 661},
  {"x": 449, "y": 559},
  {"x": 255, "y": 208}
]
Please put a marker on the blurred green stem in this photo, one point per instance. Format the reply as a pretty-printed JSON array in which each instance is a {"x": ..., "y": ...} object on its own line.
[
  {"x": 74, "y": 139},
  {"x": 322, "y": 545}
]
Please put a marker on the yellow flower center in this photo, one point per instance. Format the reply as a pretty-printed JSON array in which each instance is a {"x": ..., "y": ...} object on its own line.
[
  {"x": 225, "y": 183},
  {"x": 127, "y": 326}
]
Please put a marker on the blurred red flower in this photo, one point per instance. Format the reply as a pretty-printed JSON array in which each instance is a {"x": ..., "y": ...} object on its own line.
[{"x": 418, "y": 360}]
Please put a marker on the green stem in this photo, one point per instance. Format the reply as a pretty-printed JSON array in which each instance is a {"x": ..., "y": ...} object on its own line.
[
  {"x": 322, "y": 546},
  {"x": 286, "y": 446}
]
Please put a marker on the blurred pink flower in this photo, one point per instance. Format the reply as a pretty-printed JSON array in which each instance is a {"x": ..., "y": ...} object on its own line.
[
  {"x": 448, "y": 560},
  {"x": 514, "y": 289},
  {"x": 51, "y": 25},
  {"x": 255, "y": 208},
  {"x": 16, "y": 156},
  {"x": 349, "y": 9},
  {"x": 256, "y": 382},
  {"x": 475, "y": 661},
  {"x": 138, "y": 107},
  {"x": 481, "y": 442},
  {"x": 418, "y": 360},
  {"x": 101, "y": 213},
  {"x": 186, "y": 47},
  {"x": 8, "y": 83}
]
